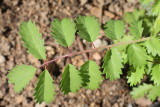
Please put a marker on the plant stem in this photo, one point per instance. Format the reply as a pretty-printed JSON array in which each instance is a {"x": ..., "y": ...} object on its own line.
[
  {"x": 94, "y": 49},
  {"x": 69, "y": 60}
]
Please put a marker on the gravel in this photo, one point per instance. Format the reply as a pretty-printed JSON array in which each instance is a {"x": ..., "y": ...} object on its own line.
[{"x": 42, "y": 12}]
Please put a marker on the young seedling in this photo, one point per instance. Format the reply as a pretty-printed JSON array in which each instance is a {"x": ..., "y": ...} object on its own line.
[{"x": 130, "y": 47}]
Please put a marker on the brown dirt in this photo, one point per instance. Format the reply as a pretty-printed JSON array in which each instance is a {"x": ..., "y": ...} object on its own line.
[{"x": 43, "y": 12}]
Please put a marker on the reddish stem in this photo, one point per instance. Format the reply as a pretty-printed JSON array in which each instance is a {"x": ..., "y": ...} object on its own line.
[
  {"x": 68, "y": 59},
  {"x": 94, "y": 49}
]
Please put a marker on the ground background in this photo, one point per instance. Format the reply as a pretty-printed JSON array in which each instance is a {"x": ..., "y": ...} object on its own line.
[{"x": 43, "y": 12}]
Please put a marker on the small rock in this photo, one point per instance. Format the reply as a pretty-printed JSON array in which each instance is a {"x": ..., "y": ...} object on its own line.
[
  {"x": 96, "y": 11},
  {"x": 115, "y": 105},
  {"x": 106, "y": 2},
  {"x": 49, "y": 48},
  {"x": 83, "y": 96},
  {"x": 33, "y": 60},
  {"x": 83, "y": 2},
  {"x": 66, "y": 12},
  {"x": 2, "y": 59},
  {"x": 50, "y": 51},
  {"x": 97, "y": 56},
  {"x": 40, "y": 105},
  {"x": 10, "y": 65},
  {"x": 72, "y": 94},
  {"x": 111, "y": 8},
  {"x": 108, "y": 14},
  {"x": 143, "y": 102},
  {"x": 88, "y": 92},
  {"x": 97, "y": 93},
  {"x": 1, "y": 94},
  {"x": 88, "y": 7},
  {"x": 19, "y": 99},
  {"x": 110, "y": 93},
  {"x": 71, "y": 101},
  {"x": 129, "y": 105},
  {"x": 102, "y": 33},
  {"x": 99, "y": 43},
  {"x": 92, "y": 104},
  {"x": 77, "y": 61},
  {"x": 59, "y": 2},
  {"x": 29, "y": 88},
  {"x": 113, "y": 87}
]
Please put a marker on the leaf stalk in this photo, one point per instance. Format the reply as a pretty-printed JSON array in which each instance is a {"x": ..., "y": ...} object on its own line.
[{"x": 94, "y": 49}]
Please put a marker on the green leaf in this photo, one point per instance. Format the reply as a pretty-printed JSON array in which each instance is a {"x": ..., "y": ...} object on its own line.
[
  {"x": 141, "y": 90},
  {"x": 71, "y": 80},
  {"x": 91, "y": 75},
  {"x": 88, "y": 27},
  {"x": 126, "y": 38},
  {"x": 136, "y": 55},
  {"x": 147, "y": 24},
  {"x": 112, "y": 64},
  {"x": 124, "y": 57},
  {"x": 155, "y": 27},
  {"x": 20, "y": 76},
  {"x": 147, "y": 5},
  {"x": 149, "y": 65},
  {"x": 154, "y": 93},
  {"x": 153, "y": 46},
  {"x": 136, "y": 29},
  {"x": 44, "y": 90},
  {"x": 63, "y": 31},
  {"x": 156, "y": 8},
  {"x": 145, "y": 2},
  {"x": 155, "y": 74},
  {"x": 32, "y": 39},
  {"x": 133, "y": 16},
  {"x": 135, "y": 76},
  {"x": 129, "y": 17},
  {"x": 115, "y": 29}
]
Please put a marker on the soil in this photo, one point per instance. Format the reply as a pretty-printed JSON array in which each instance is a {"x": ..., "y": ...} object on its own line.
[{"x": 43, "y": 12}]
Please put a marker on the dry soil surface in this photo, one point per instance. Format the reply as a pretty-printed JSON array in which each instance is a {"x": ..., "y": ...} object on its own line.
[{"x": 43, "y": 12}]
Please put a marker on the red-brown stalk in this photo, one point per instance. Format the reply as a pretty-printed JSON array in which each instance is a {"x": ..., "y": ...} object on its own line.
[{"x": 92, "y": 50}]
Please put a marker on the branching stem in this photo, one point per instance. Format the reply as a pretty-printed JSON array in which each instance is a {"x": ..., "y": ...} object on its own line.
[{"x": 94, "y": 49}]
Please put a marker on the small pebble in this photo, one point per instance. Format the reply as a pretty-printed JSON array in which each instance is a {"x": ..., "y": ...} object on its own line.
[{"x": 2, "y": 59}]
